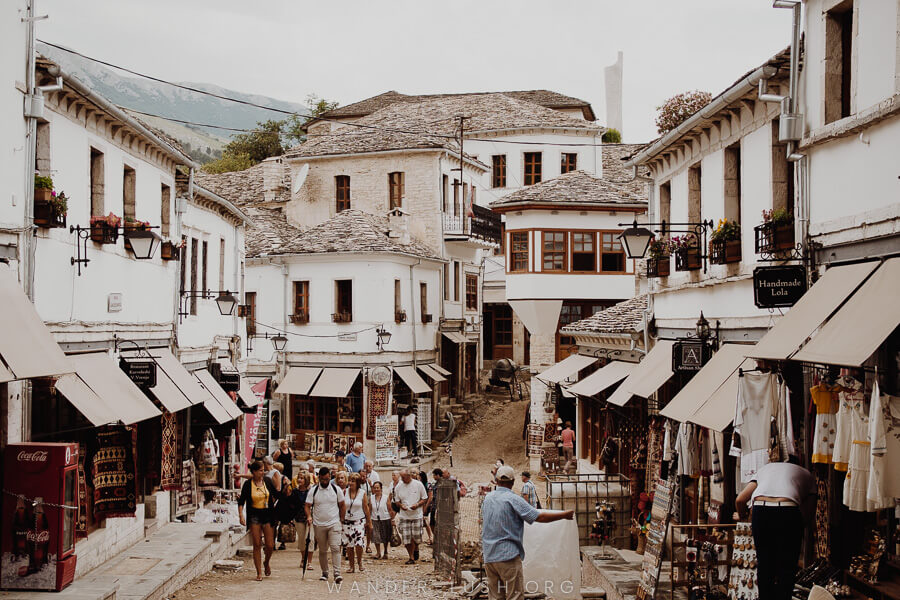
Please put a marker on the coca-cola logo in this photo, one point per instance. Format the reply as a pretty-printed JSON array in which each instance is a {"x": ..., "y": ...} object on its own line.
[
  {"x": 35, "y": 456},
  {"x": 38, "y": 537}
]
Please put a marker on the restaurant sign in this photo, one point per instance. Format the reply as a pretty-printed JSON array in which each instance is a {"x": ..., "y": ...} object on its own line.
[
  {"x": 690, "y": 355},
  {"x": 141, "y": 372},
  {"x": 777, "y": 287}
]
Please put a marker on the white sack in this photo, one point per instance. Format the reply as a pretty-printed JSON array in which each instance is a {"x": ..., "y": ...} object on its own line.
[{"x": 552, "y": 562}]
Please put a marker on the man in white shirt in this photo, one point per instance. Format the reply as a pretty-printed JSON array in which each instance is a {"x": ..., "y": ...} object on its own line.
[
  {"x": 325, "y": 513},
  {"x": 410, "y": 494},
  {"x": 371, "y": 473},
  {"x": 409, "y": 432}
]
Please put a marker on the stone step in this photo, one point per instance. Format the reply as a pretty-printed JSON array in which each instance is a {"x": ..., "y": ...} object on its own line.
[{"x": 593, "y": 592}]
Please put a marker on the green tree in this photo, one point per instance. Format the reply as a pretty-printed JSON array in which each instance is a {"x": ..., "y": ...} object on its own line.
[
  {"x": 677, "y": 109},
  {"x": 229, "y": 162},
  {"x": 612, "y": 136},
  {"x": 259, "y": 144},
  {"x": 295, "y": 125}
]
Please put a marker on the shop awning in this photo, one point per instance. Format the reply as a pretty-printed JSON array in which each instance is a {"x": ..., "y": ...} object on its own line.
[
  {"x": 566, "y": 368},
  {"x": 103, "y": 375},
  {"x": 440, "y": 369},
  {"x": 603, "y": 378},
  {"x": 412, "y": 379},
  {"x": 26, "y": 345},
  {"x": 221, "y": 396},
  {"x": 299, "y": 380},
  {"x": 862, "y": 324},
  {"x": 717, "y": 412},
  {"x": 180, "y": 376},
  {"x": 168, "y": 393},
  {"x": 705, "y": 382},
  {"x": 83, "y": 398},
  {"x": 5, "y": 374},
  {"x": 432, "y": 372},
  {"x": 335, "y": 383},
  {"x": 816, "y": 305},
  {"x": 245, "y": 393},
  {"x": 455, "y": 337},
  {"x": 649, "y": 375}
]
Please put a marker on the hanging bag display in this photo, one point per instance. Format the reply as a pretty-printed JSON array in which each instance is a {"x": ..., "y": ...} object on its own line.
[{"x": 287, "y": 533}]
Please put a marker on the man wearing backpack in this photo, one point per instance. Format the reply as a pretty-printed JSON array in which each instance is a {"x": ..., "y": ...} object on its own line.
[{"x": 324, "y": 513}]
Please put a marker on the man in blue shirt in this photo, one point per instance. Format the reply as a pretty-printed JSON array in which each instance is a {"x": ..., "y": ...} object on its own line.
[
  {"x": 504, "y": 514},
  {"x": 356, "y": 460}
]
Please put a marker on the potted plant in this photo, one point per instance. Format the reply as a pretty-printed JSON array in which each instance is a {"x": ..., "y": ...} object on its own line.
[
  {"x": 301, "y": 317},
  {"x": 43, "y": 188},
  {"x": 687, "y": 252},
  {"x": 170, "y": 250},
  {"x": 776, "y": 232},
  {"x": 400, "y": 316},
  {"x": 658, "y": 258},
  {"x": 105, "y": 230},
  {"x": 51, "y": 213},
  {"x": 725, "y": 243}
]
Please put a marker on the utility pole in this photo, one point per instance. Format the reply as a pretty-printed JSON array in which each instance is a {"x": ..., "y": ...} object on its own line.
[
  {"x": 459, "y": 184},
  {"x": 27, "y": 252}
]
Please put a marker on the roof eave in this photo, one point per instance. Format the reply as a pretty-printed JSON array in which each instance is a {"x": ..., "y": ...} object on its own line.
[
  {"x": 525, "y": 204},
  {"x": 226, "y": 204}
]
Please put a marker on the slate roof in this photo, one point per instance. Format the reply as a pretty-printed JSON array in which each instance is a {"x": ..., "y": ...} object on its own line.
[
  {"x": 624, "y": 317},
  {"x": 348, "y": 231},
  {"x": 545, "y": 98},
  {"x": 433, "y": 123},
  {"x": 576, "y": 187},
  {"x": 614, "y": 168},
  {"x": 247, "y": 186}
]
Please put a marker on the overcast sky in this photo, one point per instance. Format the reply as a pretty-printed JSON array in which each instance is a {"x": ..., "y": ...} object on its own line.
[{"x": 347, "y": 50}]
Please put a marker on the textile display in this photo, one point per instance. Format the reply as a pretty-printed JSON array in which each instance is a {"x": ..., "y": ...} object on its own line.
[
  {"x": 170, "y": 464},
  {"x": 757, "y": 403},
  {"x": 850, "y": 397},
  {"x": 81, "y": 522},
  {"x": 113, "y": 474},
  {"x": 687, "y": 446},
  {"x": 825, "y": 398},
  {"x": 822, "y": 531},
  {"x": 552, "y": 558},
  {"x": 378, "y": 406},
  {"x": 187, "y": 499},
  {"x": 852, "y": 445},
  {"x": 208, "y": 461},
  {"x": 884, "y": 432}
]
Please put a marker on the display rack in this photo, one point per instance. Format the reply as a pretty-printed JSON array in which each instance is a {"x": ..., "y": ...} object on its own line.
[{"x": 701, "y": 555}]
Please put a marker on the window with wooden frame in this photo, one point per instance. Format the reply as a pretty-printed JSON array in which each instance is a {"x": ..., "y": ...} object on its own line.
[
  {"x": 532, "y": 168},
  {"x": 568, "y": 161},
  {"x": 584, "y": 251},
  {"x": 305, "y": 413},
  {"x": 395, "y": 189},
  {"x": 445, "y": 193},
  {"x": 129, "y": 190},
  {"x": 182, "y": 259},
  {"x": 399, "y": 313},
  {"x": 454, "y": 210},
  {"x": 204, "y": 267},
  {"x": 423, "y": 303},
  {"x": 195, "y": 253},
  {"x": 518, "y": 250},
  {"x": 503, "y": 331},
  {"x": 471, "y": 291},
  {"x": 554, "y": 251},
  {"x": 301, "y": 303},
  {"x": 447, "y": 282},
  {"x": 456, "y": 281},
  {"x": 250, "y": 312},
  {"x": 221, "y": 263},
  {"x": 341, "y": 193},
  {"x": 343, "y": 301},
  {"x": 98, "y": 183},
  {"x": 165, "y": 206},
  {"x": 498, "y": 171},
  {"x": 612, "y": 256}
]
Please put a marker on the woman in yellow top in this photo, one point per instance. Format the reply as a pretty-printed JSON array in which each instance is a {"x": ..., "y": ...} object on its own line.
[{"x": 259, "y": 495}]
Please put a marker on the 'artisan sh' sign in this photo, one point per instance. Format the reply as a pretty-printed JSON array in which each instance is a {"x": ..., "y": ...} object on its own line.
[{"x": 775, "y": 287}]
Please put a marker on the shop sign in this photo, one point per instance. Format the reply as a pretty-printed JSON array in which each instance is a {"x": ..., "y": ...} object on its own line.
[
  {"x": 690, "y": 355},
  {"x": 346, "y": 337},
  {"x": 778, "y": 287},
  {"x": 386, "y": 432},
  {"x": 142, "y": 373}
]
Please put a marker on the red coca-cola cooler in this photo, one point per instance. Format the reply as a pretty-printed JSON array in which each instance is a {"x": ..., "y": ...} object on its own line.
[{"x": 40, "y": 485}]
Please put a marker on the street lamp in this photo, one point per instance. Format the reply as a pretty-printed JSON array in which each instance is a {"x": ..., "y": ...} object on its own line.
[
  {"x": 383, "y": 337},
  {"x": 702, "y": 327},
  {"x": 143, "y": 243},
  {"x": 226, "y": 302},
  {"x": 635, "y": 240},
  {"x": 279, "y": 341}
]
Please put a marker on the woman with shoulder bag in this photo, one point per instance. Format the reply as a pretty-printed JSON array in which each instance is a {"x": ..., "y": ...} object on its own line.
[
  {"x": 356, "y": 519},
  {"x": 258, "y": 494},
  {"x": 382, "y": 520}
]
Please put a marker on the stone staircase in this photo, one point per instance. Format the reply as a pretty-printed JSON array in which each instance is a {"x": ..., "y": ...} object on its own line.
[{"x": 460, "y": 411}]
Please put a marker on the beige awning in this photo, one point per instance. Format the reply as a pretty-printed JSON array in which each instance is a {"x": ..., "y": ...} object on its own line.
[
  {"x": 245, "y": 393},
  {"x": 705, "y": 382},
  {"x": 816, "y": 305},
  {"x": 221, "y": 396},
  {"x": 5, "y": 374},
  {"x": 299, "y": 380},
  {"x": 412, "y": 379},
  {"x": 717, "y": 412},
  {"x": 26, "y": 345},
  {"x": 455, "y": 337},
  {"x": 168, "y": 394},
  {"x": 862, "y": 324},
  {"x": 440, "y": 370},
  {"x": 565, "y": 368},
  {"x": 335, "y": 383},
  {"x": 650, "y": 374},
  {"x": 432, "y": 372},
  {"x": 603, "y": 378},
  {"x": 83, "y": 398},
  {"x": 111, "y": 384},
  {"x": 180, "y": 376}
]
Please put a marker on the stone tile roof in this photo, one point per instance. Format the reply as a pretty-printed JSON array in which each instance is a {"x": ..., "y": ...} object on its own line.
[
  {"x": 348, "y": 231},
  {"x": 574, "y": 187},
  {"x": 433, "y": 123},
  {"x": 248, "y": 186},
  {"x": 545, "y": 98},
  {"x": 624, "y": 317},
  {"x": 614, "y": 168}
]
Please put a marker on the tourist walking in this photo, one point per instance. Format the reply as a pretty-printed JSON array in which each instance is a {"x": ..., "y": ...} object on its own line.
[
  {"x": 382, "y": 520},
  {"x": 287, "y": 506},
  {"x": 411, "y": 496},
  {"x": 285, "y": 456},
  {"x": 568, "y": 443},
  {"x": 780, "y": 496},
  {"x": 356, "y": 460},
  {"x": 357, "y": 519},
  {"x": 409, "y": 432},
  {"x": 325, "y": 510},
  {"x": 272, "y": 473},
  {"x": 301, "y": 482},
  {"x": 429, "y": 505},
  {"x": 504, "y": 514},
  {"x": 258, "y": 495},
  {"x": 529, "y": 492},
  {"x": 371, "y": 472}
]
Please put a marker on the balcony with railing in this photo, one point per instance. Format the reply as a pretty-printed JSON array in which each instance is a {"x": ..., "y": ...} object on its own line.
[{"x": 483, "y": 226}]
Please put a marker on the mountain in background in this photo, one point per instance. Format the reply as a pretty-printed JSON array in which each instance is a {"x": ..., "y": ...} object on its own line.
[{"x": 202, "y": 143}]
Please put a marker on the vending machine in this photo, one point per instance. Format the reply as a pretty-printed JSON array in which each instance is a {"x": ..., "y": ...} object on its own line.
[{"x": 39, "y": 511}]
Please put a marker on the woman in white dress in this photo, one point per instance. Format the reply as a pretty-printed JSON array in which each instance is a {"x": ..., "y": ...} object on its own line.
[{"x": 356, "y": 520}]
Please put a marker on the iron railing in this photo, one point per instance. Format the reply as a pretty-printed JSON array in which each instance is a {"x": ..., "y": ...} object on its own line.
[{"x": 484, "y": 225}]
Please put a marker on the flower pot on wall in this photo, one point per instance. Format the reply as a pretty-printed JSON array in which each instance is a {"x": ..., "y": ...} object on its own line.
[
  {"x": 724, "y": 251},
  {"x": 658, "y": 267},
  {"x": 169, "y": 251},
  {"x": 102, "y": 233},
  {"x": 45, "y": 215},
  {"x": 773, "y": 237},
  {"x": 42, "y": 194},
  {"x": 688, "y": 259}
]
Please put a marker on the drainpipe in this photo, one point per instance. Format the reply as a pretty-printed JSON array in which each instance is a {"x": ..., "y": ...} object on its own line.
[
  {"x": 790, "y": 128},
  {"x": 27, "y": 253},
  {"x": 412, "y": 310},
  {"x": 180, "y": 209}
]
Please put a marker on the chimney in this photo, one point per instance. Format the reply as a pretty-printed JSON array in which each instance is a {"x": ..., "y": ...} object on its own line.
[
  {"x": 274, "y": 185},
  {"x": 613, "y": 80},
  {"x": 398, "y": 226}
]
